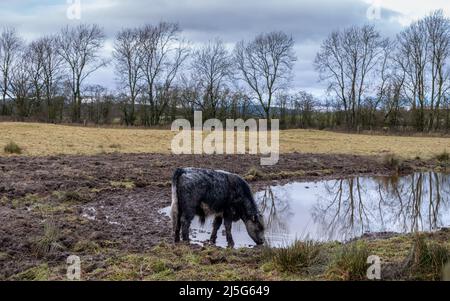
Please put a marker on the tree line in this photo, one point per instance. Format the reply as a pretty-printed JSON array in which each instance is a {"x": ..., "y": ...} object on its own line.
[
  {"x": 372, "y": 81},
  {"x": 401, "y": 82}
]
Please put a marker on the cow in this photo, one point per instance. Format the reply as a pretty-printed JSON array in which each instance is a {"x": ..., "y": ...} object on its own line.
[{"x": 206, "y": 192}]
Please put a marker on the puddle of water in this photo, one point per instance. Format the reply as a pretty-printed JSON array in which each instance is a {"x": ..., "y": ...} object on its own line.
[
  {"x": 344, "y": 209},
  {"x": 90, "y": 213},
  {"x": 200, "y": 234}
]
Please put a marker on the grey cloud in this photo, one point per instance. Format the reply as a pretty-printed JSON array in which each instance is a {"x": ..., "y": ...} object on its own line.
[{"x": 308, "y": 21}]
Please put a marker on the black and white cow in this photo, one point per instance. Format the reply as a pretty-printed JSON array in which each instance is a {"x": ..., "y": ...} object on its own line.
[{"x": 205, "y": 192}]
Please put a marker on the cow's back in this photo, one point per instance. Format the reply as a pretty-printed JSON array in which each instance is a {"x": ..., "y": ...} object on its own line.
[{"x": 196, "y": 186}]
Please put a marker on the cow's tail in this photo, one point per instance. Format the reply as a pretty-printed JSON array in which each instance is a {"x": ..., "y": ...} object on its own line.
[
  {"x": 202, "y": 217},
  {"x": 175, "y": 204}
]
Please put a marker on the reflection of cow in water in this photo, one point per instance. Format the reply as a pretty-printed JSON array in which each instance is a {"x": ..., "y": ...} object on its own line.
[{"x": 205, "y": 192}]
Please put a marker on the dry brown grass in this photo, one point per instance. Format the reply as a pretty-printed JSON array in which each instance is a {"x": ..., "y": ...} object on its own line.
[
  {"x": 312, "y": 141},
  {"x": 47, "y": 139}
]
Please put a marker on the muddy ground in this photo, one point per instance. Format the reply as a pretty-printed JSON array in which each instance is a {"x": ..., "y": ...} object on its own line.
[{"x": 107, "y": 206}]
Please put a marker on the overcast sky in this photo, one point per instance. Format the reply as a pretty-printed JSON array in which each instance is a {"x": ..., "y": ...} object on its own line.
[{"x": 308, "y": 21}]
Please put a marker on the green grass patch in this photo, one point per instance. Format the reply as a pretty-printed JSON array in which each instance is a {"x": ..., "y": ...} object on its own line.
[
  {"x": 123, "y": 184},
  {"x": 71, "y": 197},
  {"x": 350, "y": 263},
  {"x": 48, "y": 243},
  {"x": 12, "y": 148},
  {"x": 255, "y": 174},
  {"x": 427, "y": 259},
  {"x": 37, "y": 273},
  {"x": 296, "y": 258}
]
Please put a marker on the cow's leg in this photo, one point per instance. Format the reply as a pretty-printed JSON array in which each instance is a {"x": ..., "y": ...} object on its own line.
[
  {"x": 185, "y": 225},
  {"x": 177, "y": 230},
  {"x": 216, "y": 226},
  {"x": 228, "y": 222}
]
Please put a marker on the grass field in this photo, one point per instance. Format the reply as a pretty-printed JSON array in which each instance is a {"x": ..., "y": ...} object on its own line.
[
  {"x": 47, "y": 139},
  {"x": 105, "y": 209}
]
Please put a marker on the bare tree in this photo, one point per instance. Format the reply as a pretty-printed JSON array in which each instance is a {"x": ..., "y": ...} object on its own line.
[
  {"x": 393, "y": 99},
  {"x": 346, "y": 60},
  {"x": 386, "y": 78},
  {"x": 189, "y": 96},
  {"x": 239, "y": 104},
  {"x": 10, "y": 45},
  {"x": 412, "y": 59},
  {"x": 283, "y": 103},
  {"x": 305, "y": 104},
  {"x": 21, "y": 85},
  {"x": 52, "y": 74},
  {"x": 80, "y": 48},
  {"x": 438, "y": 29},
  {"x": 95, "y": 95},
  {"x": 35, "y": 53},
  {"x": 266, "y": 65},
  {"x": 211, "y": 68},
  {"x": 45, "y": 74},
  {"x": 161, "y": 55},
  {"x": 424, "y": 51},
  {"x": 127, "y": 50}
]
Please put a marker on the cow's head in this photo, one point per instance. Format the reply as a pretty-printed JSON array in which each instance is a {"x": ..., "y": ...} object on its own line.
[{"x": 255, "y": 228}]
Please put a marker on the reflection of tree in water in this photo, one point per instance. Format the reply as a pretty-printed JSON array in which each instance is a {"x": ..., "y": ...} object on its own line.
[
  {"x": 276, "y": 210},
  {"x": 351, "y": 207},
  {"x": 417, "y": 202},
  {"x": 343, "y": 209}
]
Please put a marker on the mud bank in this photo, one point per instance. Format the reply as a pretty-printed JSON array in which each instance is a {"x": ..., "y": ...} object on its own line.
[{"x": 106, "y": 206}]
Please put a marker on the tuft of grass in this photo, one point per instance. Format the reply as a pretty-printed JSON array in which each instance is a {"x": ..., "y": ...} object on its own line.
[
  {"x": 87, "y": 246},
  {"x": 48, "y": 243},
  {"x": 350, "y": 263},
  {"x": 443, "y": 157},
  {"x": 12, "y": 148},
  {"x": 427, "y": 260},
  {"x": 159, "y": 266},
  {"x": 296, "y": 258},
  {"x": 255, "y": 173},
  {"x": 439, "y": 256},
  {"x": 163, "y": 184},
  {"x": 391, "y": 161},
  {"x": 37, "y": 273},
  {"x": 71, "y": 196},
  {"x": 159, "y": 163},
  {"x": 123, "y": 184}
]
